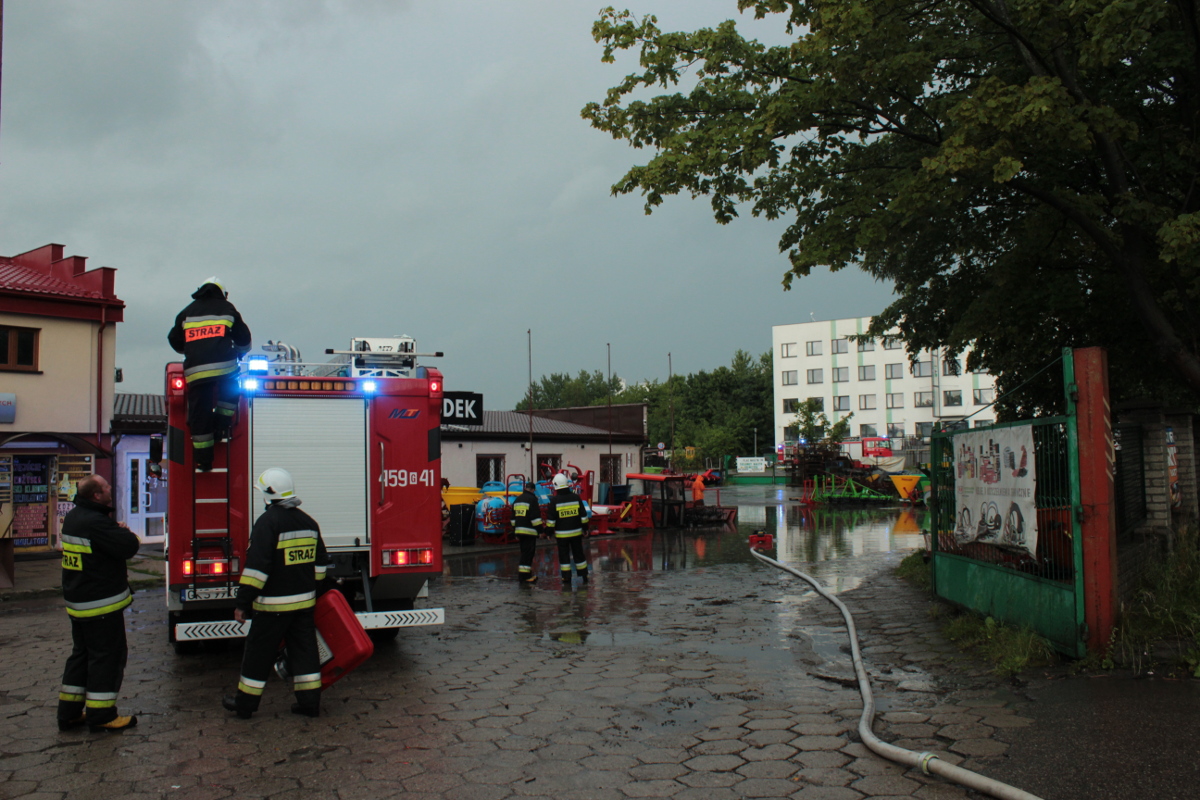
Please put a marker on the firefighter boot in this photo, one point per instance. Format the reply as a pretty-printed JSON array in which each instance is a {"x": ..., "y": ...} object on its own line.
[
  {"x": 229, "y": 703},
  {"x": 72, "y": 724},
  {"x": 308, "y": 711},
  {"x": 118, "y": 724}
]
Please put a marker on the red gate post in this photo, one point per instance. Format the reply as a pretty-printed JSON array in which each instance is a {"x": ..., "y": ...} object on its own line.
[{"x": 1098, "y": 529}]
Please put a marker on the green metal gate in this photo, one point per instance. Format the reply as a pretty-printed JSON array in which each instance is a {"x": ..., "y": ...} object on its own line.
[{"x": 1043, "y": 590}]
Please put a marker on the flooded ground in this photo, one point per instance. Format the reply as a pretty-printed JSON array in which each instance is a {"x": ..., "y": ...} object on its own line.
[{"x": 827, "y": 541}]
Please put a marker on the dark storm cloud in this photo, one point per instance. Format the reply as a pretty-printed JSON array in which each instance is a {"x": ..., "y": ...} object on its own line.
[{"x": 376, "y": 168}]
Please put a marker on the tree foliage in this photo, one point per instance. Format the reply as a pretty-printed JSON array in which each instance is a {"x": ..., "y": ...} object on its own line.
[
  {"x": 720, "y": 412},
  {"x": 1026, "y": 174},
  {"x": 560, "y": 390}
]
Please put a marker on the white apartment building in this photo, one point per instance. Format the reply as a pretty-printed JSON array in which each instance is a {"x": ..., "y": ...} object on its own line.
[{"x": 873, "y": 379}]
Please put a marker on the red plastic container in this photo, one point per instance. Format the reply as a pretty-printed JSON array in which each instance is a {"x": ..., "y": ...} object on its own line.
[{"x": 341, "y": 634}]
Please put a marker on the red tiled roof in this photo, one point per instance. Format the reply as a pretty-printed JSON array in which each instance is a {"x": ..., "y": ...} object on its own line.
[{"x": 23, "y": 279}]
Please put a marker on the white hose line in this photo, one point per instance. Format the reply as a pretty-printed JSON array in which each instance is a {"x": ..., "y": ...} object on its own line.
[{"x": 928, "y": 763}]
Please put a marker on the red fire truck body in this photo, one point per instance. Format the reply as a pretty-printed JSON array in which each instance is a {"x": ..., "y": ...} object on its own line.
[{"x": 363, "y": 445}]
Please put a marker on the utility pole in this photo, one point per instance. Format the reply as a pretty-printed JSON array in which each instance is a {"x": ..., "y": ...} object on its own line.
[
  {"x": 532, "y": 473},
  {"x": 609, "y": 346},
  {"x": 671, "y": 385}
]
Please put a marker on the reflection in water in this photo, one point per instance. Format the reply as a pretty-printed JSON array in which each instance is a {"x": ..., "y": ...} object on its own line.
[
  {"x": 820, "y": 541},
  {"x": 803, "y": 535}
]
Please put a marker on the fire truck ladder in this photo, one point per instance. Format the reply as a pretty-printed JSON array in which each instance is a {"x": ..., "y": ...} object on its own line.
[{"x": 211, "y": 521}]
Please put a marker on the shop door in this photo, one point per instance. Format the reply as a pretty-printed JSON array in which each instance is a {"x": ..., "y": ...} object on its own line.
[{"x": 143, "y": 497}]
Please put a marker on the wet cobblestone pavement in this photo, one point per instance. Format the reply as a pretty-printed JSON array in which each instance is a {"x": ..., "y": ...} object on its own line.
[{"x": 728, "y": 681}]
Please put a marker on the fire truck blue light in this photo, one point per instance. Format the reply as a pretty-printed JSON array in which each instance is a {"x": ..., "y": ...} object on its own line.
[
  {"x": 258, "y": 365},
  {"x": 368, "y": 386},
  {"x": 250, "y": 384}
]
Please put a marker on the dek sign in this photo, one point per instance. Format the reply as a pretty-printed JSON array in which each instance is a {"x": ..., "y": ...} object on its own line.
[{"x": 462, "y": 408}]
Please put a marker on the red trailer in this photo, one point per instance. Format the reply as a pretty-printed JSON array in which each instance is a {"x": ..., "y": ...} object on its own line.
[{"x": 361, "y": 437}]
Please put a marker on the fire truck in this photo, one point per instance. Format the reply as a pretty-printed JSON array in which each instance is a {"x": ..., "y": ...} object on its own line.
[{"x": 361, "y": 436}]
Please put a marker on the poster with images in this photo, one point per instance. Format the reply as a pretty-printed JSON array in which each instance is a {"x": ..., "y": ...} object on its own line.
[
  {"x": 31, "y": 490},
  {"x": 994, "y": 485}
]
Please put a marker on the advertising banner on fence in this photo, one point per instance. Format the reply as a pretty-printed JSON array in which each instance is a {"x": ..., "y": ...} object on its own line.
[{"x": 994, "y": 485}]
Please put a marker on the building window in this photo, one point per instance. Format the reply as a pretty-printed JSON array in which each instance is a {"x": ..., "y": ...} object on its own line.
[
  {"x": 893, "y": 371},
  {"x": 892, "y": 344},
  {"x": 787, "y": 350},
  {"x": 983, "y": 423},
  {"x": 984, "y": 396},
  {"x": 923, "y": 369},
  {"x": 895, "y": 430},
  {"x": 791, "y": 405},
  {"x": 950, "y": 366},
  {"x": 841, "y": 374},
  {"x": 489, "y": 468},
  {"x": 866, "y": 345},
  {"x": 951, "y": 397},
  {"x": 895, "y": 400},
  {"x": 813, "y": 348},
  {"x": 547, "y": 465},
  {"x": 818, "y": 403},
  {"x": 610, "y": 469},
  {"x": 816, "y": 376},
  {"x": 866, "y": 372},
  {"x": 866, "y": 402},
  {"x": 18, "y": 349},
  {"x": 839, "y": 346},
  {"x": 924, "y": 429},
  {"x": 790, "y": 377},
  {"x": 867, "y": 430},
  {"x": 923, "y": 399},
  {"x": 841, "y": 402}
]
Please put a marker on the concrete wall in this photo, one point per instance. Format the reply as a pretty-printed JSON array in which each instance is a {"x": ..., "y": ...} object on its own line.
[{"x": 61, "y": 397}]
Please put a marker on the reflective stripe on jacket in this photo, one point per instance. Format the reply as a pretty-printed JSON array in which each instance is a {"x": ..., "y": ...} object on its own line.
[
  {"x": 211, "y": 335},
  {"x": 567, "y": 515},
  {"x": 285, "y": 563},
  {"x": 95, "y": 549}
]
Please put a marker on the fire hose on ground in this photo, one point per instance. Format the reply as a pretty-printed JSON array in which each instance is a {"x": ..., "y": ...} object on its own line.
[{"x": 927, "y": 762}]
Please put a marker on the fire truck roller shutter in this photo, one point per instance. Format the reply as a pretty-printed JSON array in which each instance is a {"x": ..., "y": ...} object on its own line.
[{"x": 322, "y": 442}]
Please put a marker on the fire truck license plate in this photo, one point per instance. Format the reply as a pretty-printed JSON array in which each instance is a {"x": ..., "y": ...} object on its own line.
[{"x": 211, "y": 593}]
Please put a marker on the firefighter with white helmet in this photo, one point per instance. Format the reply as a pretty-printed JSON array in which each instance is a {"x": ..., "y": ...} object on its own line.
[
  {"x": 211, "y": 335},
  {"x": 567, "y": 517},
  {"x": 285, "y": 571}
]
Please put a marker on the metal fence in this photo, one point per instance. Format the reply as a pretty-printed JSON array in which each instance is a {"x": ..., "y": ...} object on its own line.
[
  {"x": 1054, "y": 557},
  {"x": 1037, "y": 589}
]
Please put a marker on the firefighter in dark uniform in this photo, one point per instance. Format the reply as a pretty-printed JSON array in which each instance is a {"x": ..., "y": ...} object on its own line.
[
  {"x": 211, "y": 335},
  {"x": 96, "y": 588},
  {"x": 527, "y": 520},
  {"x": 284, "y": 573},
  {"x": 567, "y": 516}
]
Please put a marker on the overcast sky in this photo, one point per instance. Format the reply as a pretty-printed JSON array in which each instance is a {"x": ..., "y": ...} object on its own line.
[{"x": 375, "y": 168}]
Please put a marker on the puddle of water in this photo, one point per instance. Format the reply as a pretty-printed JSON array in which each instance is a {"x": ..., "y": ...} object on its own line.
[{"x": 817, "y": 537}]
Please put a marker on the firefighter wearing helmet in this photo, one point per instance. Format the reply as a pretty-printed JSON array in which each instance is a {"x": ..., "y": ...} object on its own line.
[
  {"x": 285, "y": 571},
  {"x": 211, "y": 336},
  {"x": 567, "y": 518}
]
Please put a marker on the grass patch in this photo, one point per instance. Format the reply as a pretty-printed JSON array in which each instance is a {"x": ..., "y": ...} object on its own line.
[
  {"x": 1160, "y": 626},
  {"x": 915, "y": 568},
  {"x": 1008, "y": 648}
]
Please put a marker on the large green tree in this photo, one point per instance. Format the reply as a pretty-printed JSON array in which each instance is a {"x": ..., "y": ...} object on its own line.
[{"x": 1026, "y": 173}]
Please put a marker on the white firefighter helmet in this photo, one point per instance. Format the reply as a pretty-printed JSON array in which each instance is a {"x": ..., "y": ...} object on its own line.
[
  {"x": 276, "y": 484},
  {"x": 561, "y": 481},
  {"x": 215, "y": 281}
]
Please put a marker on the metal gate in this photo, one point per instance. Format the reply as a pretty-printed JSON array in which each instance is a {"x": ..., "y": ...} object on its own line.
[{"x": 1043, "y": 589}]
